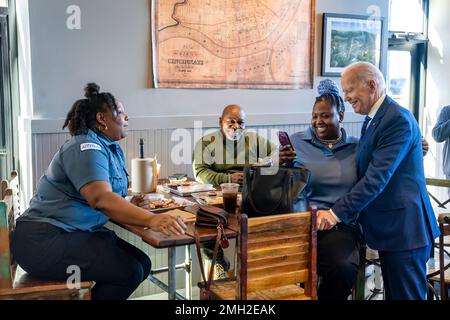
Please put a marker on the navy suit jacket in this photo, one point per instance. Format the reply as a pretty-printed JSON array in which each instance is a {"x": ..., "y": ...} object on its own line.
[{"x": 390, "y": 200}]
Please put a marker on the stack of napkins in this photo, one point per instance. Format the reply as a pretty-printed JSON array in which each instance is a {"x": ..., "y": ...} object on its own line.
[
  {"x": 195, "y": 188},
  {"x": 188, "y": 217}
]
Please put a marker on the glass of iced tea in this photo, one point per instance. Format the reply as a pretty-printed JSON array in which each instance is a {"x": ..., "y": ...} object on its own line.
[{"x": 229, "y": 195}]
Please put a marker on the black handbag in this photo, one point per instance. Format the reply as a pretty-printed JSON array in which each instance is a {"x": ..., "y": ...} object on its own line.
[
  {"x": 209, "y": 216},
  {"x": 273, "y": 190}
]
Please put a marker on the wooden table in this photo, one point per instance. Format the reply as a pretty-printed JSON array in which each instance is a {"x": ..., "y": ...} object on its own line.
[{"x": 160, "y": 241}]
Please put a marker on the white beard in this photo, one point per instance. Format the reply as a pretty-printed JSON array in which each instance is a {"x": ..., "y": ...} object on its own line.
[{"x": 233, "y": 135}]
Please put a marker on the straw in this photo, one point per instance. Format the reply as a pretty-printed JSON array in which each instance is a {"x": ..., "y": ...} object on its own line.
[{"x": 141, "y": 148}]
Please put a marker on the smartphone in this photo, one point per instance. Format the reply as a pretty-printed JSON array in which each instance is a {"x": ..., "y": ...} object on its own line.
[{"x": 283, "y": 137}]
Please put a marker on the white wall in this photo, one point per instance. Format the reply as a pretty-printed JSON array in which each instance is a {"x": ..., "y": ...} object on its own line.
[
  {"x": 438, "y": 80},
  {"x": 113, "y": 49}
]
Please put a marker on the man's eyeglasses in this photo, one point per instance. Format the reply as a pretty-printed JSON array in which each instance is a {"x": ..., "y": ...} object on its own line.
[{"x": 232, "y": 122}]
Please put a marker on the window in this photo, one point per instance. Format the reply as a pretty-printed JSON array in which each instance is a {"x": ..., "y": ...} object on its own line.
[
  {"x": 8, "y": 131},
  {"x": 407, "y": 53},
  {"x": 399, "y": 83},
  {"x": 407, "y": 16}
]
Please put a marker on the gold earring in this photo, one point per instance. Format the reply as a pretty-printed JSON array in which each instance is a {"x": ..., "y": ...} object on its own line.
[{"x": 106, "y": 128}]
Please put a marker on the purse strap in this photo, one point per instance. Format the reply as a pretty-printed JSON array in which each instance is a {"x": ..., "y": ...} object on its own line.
[
  {"x": 207, "y": 281},
  {"x": 250, "y": 197}
]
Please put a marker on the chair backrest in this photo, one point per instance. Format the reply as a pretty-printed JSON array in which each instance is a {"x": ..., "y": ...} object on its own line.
[
  {"x": 277, "y": 250},
  {"x": 7, "y": 266}
]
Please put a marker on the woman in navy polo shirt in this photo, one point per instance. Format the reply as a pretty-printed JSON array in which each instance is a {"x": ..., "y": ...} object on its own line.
[{"x": 83, "y": 187}]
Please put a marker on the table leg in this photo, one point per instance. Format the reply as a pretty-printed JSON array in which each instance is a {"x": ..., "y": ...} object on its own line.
[
  {"x": 172, "y": 273},
  {"x": 188, "y": 272}
]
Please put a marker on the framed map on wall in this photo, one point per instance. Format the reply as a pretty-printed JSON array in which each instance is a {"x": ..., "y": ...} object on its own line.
[{"x": 233, "y": 44}]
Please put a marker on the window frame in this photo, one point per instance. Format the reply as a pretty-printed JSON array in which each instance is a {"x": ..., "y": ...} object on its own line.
[
  {"x": 9, "y": 94},
  {"x": 417, "y": 45}
]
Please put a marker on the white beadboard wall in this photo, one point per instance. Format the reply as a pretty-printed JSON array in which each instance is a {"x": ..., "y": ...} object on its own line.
[{"x": 157, "y": 141}]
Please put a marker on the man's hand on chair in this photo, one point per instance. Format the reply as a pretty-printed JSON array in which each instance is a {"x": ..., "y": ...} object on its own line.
[{"x": 325, "y": 220}]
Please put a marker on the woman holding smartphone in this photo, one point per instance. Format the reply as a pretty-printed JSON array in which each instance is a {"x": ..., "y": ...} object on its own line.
[{"x": 330, "y": 154}]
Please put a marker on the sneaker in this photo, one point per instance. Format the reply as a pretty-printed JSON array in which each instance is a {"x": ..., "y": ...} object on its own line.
[
  {"x": 224, "y": 262},
  {"x": 219, "y": 272},
  {"x": 221, "y": 267}
]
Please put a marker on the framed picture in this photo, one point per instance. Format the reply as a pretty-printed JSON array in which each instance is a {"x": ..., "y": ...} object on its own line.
[{"x": 350, "y": 38}]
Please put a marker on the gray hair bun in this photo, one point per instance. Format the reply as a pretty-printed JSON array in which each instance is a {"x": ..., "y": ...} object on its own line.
[{"x": 328, "y": 86}]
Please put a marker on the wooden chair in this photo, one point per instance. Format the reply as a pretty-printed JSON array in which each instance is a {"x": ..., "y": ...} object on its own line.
[
  {"x": 440, "y": 272},
  {"x": 19, "y": 285},
  {"x": 277, "y": 260}
]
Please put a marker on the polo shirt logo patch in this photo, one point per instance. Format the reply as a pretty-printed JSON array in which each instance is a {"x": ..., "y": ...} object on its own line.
[{"x": 90, "y": 146}]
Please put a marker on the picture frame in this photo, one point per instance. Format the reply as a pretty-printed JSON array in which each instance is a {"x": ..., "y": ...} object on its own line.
[{"x": 350, "y": 38}]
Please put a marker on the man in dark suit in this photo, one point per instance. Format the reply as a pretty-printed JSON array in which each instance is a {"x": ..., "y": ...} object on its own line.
[{"x": 390, "y": 199}]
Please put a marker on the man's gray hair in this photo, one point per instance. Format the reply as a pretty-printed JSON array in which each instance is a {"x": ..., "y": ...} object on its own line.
[{"x": 365, "y": 71}]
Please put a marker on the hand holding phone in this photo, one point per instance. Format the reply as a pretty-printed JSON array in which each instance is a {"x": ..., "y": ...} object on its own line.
[
  {"x": 283, "y": 137},
  {"x": 287, "y": 155}
]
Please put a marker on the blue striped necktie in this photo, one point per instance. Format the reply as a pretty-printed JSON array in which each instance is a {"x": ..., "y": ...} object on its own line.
[{"x": 364, "y": 127}]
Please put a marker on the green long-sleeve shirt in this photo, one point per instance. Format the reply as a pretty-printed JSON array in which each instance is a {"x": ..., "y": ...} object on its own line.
[{"x": 215, "y": 157}]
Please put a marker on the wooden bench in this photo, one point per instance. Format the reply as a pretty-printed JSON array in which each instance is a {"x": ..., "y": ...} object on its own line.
[
  {"x": 16, "y": 284},
  {"x": 277, "y": 260}
]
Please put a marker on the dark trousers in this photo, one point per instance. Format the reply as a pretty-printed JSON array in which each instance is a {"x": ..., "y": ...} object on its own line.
[
  {"x": 49, "y": 252},
  {"x": 405, "y": 273},
  {"x": 337, "y": 261}
]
